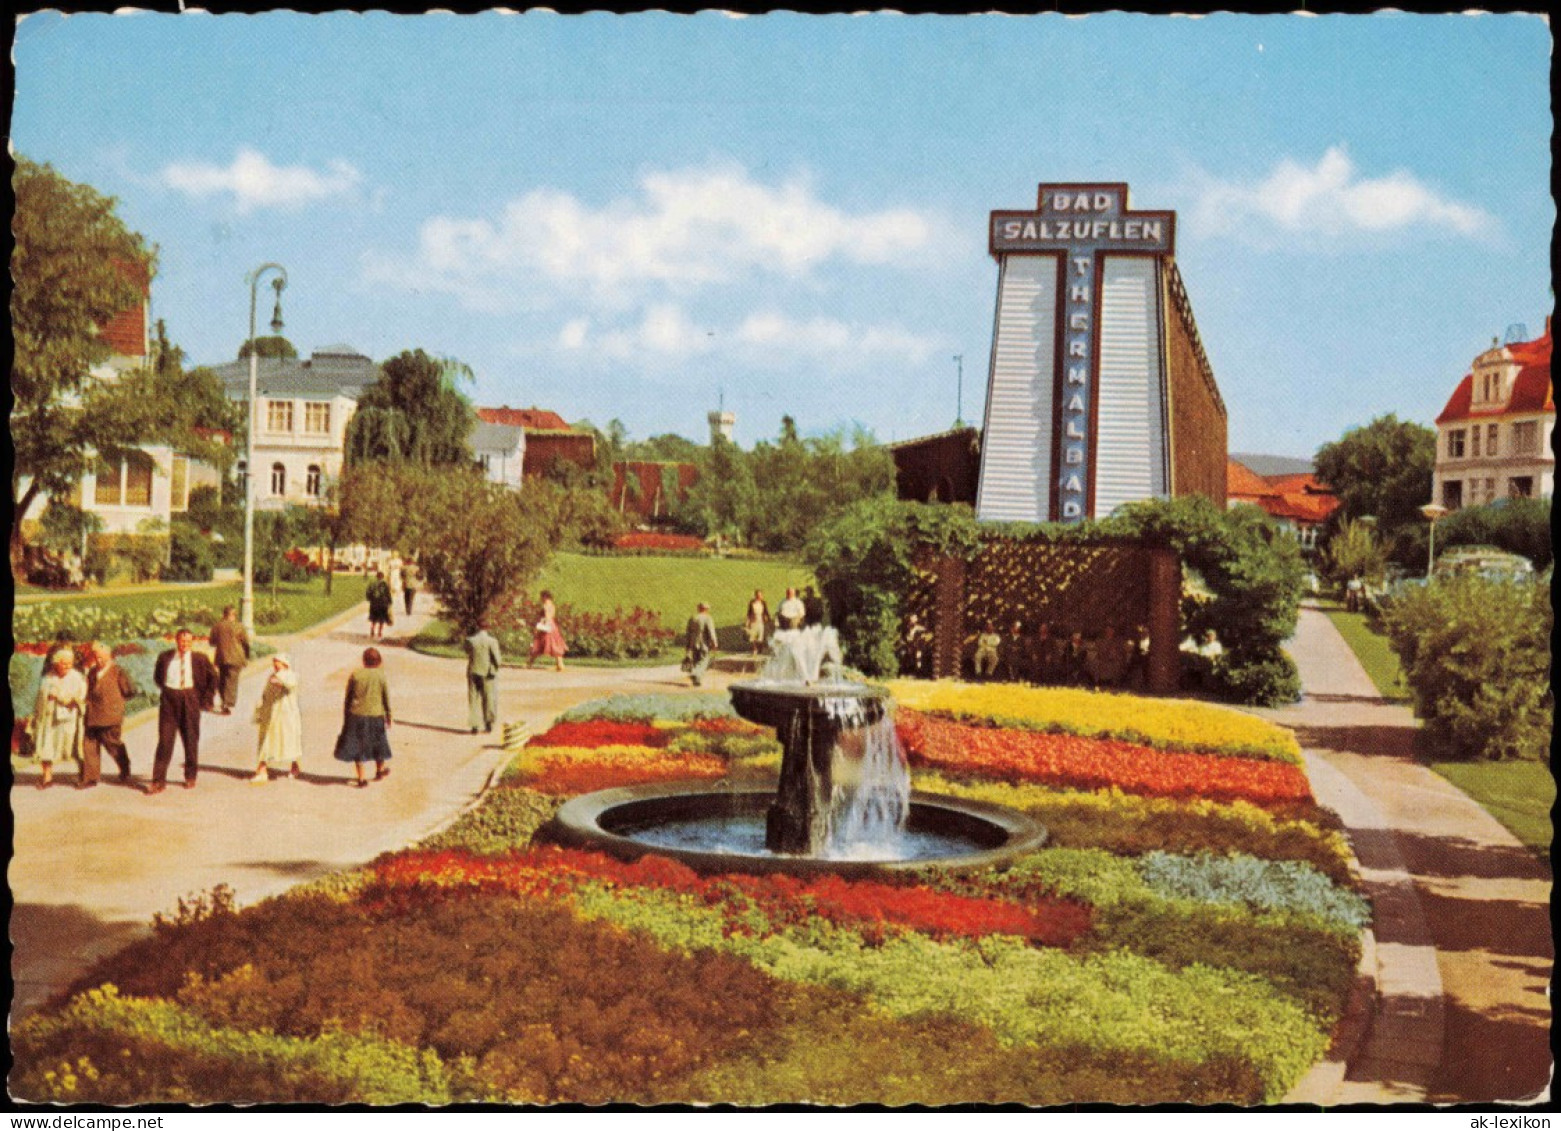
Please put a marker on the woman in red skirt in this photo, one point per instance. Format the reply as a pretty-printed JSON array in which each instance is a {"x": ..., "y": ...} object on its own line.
[{"x": 547, "y": 640}]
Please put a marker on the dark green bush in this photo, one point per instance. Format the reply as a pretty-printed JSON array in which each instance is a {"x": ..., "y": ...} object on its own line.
[
  {"x": 1476, "y": 654},
  {"x": 190, "y": 555},
  {"x": 1267, "y": 679},
  {"x": 1519, "y": 526}
]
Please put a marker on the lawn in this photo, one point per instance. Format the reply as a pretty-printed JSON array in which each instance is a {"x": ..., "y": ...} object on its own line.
[
  {"x": 1189, "y": 934},
  {"x": 1373, "y": 651},
  {"x": 1518, "y": 794},
  {"x": 668, "y": 586},
  {"x": 305, "y": 602}
]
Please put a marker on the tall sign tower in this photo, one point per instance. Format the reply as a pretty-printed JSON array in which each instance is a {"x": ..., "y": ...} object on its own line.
[{"x": 1093, "y": 345}]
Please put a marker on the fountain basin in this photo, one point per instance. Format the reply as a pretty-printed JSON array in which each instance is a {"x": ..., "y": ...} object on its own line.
[{"x": 950, "y": 833}]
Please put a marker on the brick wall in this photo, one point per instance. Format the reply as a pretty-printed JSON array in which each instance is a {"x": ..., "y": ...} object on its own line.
[
  {"x": 542, "y": 448},
  {"x": 1198, "y": 419}
]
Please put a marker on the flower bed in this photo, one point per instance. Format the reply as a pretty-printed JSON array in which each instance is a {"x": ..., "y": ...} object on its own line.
[
  {"x": 652, "y": 540},
  {"x": 79, "y": 620},
  {"x": 1191, "y": 938},
  {"x": 1067, "y": 760},
  {"x": 622, "y": 634},
  {"x": 1160, "y": 723}
]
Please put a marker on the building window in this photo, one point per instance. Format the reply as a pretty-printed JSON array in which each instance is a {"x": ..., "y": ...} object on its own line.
[
  {"x": 278, "y": 479},
  {"x": 1492, "y": 435},
  {"x": 1520, "y": 487},
  {"x": 279, "y": 416},
  {"x": 317, "y": 418},
  {"x": 1455, "y": 444},
  {"x": 242, "y": 467},
  {"x": 107, "y": 492},
  {"x": 1452, "y": 494},
  {"x": 487, "y": 462},
  {"x": 1474, "y": 442},
  {"x": 138, "y": 480},
  {"x": 179, "y": 490},
  {"x": 1525, "y": 438},
  {"x": 312, "y": 481}
]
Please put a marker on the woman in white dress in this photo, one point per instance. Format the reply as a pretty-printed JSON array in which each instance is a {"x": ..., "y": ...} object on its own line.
[
  {"x": 58, "y": 715},
  {"x": 395, "y": 576},
  {"x": 281, "y": 726}
]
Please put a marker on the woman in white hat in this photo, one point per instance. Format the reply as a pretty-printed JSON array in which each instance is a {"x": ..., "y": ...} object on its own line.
[
  {"x": 281, "y": 726},
  {"x": 58, "y": 714}
]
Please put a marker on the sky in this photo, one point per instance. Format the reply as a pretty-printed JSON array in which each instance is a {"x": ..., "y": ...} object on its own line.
[{"x": 647, "y": 217}]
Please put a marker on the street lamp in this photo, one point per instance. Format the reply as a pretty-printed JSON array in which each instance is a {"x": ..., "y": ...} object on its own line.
[
  {"x": 247, "y": 604},
  {"x": 1432, "y": 512}
]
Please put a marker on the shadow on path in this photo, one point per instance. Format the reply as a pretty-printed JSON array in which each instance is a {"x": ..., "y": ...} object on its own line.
[
  {"x": 1372, "y": 741},
  {"x": 1517, "y": 1066}
]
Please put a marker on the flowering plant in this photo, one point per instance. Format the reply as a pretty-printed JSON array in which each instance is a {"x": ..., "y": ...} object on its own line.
[{"x": 1094, "y": 763}]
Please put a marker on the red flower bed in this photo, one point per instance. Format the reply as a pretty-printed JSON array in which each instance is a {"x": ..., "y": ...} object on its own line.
[
  {"x": 1095, "y": 763},
  {"x": 602, "y": 732},
  {"x": 867, "y": 905},
  {"x": 650, "y": 540},
  {"x": 568, "y": 777},
  {"x": 730, "y": 725}
]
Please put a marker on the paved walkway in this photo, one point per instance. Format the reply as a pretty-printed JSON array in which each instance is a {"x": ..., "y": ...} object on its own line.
[
  {"x": 91, "y": 867},
  {"x": 1463, "y": 953}
]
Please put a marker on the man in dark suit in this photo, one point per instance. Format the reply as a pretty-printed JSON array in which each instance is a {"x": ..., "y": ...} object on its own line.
[
  {"x": 230, "y": 643},
  {"x": 107, "y": 689},
  {"x": 188, "y": 681}
]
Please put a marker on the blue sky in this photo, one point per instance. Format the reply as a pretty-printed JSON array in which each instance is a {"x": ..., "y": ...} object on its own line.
[{"x": 631, "y": 216}]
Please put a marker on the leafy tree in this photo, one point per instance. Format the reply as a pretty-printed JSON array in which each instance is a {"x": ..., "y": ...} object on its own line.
[
  {"x": 476, "y": 541},
  {"x": 413, "y": 413},
  {"x": 668, "y": 447},
  {"x": 63, "y": 528},
  {"x": 725, "y": 499},
  {"x": 1354, "y": 552},
  {"x": 269, "y": 345},
  {"x": 1381, "y": 469},
  {"x": 73, "y": 269}
]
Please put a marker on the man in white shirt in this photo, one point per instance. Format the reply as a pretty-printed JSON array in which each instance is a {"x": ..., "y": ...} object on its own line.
[{"x": 187, "y": 681}]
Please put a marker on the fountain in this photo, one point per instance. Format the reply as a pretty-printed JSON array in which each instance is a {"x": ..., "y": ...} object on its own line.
[{"x": 843, "y": 803}]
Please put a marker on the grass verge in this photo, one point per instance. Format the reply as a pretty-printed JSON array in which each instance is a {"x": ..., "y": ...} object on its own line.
[
  {"x": 1518, "y": 794},
  {"x": 1373, "y": 651}
]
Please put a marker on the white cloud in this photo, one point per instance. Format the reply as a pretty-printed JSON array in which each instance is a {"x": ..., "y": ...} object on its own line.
[
  {"x": 680, "y": 230},
  {"x": 1332, "y": 199},
  {"x": 254, "y": 182},
  {"x": 664, "y": 334}
]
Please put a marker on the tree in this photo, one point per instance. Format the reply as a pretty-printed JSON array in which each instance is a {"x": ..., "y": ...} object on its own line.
[
  {"x": 74, "y": 267},
  {"x": 1382, "y": 469},
  {"x": 725, "y": 498},
  {"x": 269, "y": 345},
  {"x": 414, "y": 413},
  {"x": 476, "y": 541},
  {"x": 1354, "y": 552}
]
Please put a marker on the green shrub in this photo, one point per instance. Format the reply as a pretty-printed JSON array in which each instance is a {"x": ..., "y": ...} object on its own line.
[
  {"x": 1519, "y": 526},
  {"x": 189, "y": 554},
  {"x": 1263, "y": 678},
  {"x": 1476, "y": 654}
]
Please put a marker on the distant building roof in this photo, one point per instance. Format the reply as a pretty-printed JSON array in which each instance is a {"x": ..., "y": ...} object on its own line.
[
  {"x": 328, "y": 372},
  {"x": 488, "y": 437},
  {"x": 1532, "y": 390},
  {"x": 532, "y": 419},
  {"x": 1297, "y": 496},
  {"x": 1266, "y": 465}
]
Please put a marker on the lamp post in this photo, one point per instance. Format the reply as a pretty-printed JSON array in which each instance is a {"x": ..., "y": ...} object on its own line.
[
  {"x": 959, "y": 394},
  {"x": 1432, "y": 512},
  {"x": 247, "y": 603}
]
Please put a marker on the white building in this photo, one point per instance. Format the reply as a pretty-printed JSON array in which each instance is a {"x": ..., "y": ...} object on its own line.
[
  {"x": 501, "y": 450},
  {"x": 1493, "y": 438},
  {"x": 302, "y": 410}
]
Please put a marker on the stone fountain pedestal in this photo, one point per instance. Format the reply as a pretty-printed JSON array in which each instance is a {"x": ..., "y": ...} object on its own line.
[{"x": 808, "y": 720}]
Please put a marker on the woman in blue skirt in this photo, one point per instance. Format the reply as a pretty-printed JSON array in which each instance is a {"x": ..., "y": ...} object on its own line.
[{"x": 366, "y": 720}]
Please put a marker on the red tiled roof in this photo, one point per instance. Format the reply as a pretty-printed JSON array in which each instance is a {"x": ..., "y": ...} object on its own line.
[
  {"x": 531, "y": 419},
  {"x": 1299, "y": 497},
  {"x": 1242, "y": 480},
  {"x": 1531, "y": 392}
]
